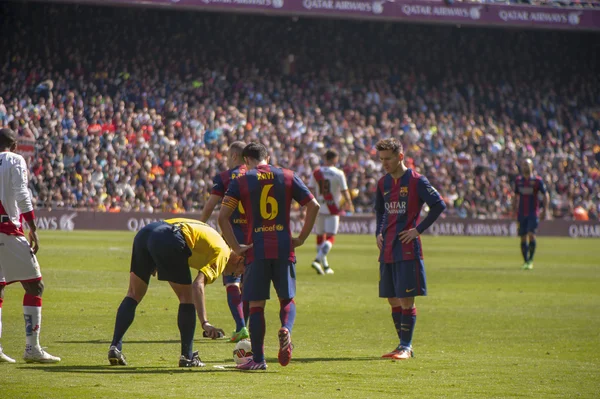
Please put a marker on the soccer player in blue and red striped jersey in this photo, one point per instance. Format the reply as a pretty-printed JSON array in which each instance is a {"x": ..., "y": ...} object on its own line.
[
  {"x": 239, "y": 309},
  {"x": 527, "y": 208},
  {"x": 401, "y": 194},
  {"x": 266, "y": 193}
]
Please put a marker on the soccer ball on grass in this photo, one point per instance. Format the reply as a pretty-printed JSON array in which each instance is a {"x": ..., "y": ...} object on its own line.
[{"x": 242, "y": 351}]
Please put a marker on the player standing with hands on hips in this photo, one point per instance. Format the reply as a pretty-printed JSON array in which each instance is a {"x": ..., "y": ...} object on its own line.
[
  {"x": 17, "y": 256},
  {"x": 401, "y": 194},
  {"x": 266, "y": 193}
]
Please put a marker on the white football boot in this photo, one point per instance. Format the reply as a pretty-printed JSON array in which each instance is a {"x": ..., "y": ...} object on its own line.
[{"x": 38, "y": 355}]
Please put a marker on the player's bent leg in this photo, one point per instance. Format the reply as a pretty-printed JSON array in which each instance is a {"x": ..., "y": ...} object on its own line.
[
  {"x": 320, "y": 230},
  {"x": 325, "y": 249},
  {"x": 186, "y": 322},
  {"x": 125, "y": 316},
  {"x": 317, "y": 263}
]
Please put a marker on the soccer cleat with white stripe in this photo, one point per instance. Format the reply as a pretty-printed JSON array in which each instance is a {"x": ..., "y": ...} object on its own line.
[
  {"x": 285, "y": 346},
  {"x": 317, "y": 266},
  {"x": 328, "y": 270},
  {"x": 252, "y": 365},
  {"x": 38, "y": 355},
  {"x": 4, "y": 358},
  {"x": 116, "y": 357},
  {"x": 193, "y": 362}
]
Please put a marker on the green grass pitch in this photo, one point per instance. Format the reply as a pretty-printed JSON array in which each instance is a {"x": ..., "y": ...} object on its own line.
[{"x": 486, "y": 330}]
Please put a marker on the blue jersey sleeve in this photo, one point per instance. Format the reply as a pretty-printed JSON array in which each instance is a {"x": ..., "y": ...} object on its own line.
[
  {"x": 427, "y": 193},
  {"x": 379, "y": 210},
  {"x": 232, "y": 196},
  {"x": 542, "y": 186},
  {"x": 432, "y": 198},
  {"x": 218, "y": 187},
  {"x": 300, "y": 192}
]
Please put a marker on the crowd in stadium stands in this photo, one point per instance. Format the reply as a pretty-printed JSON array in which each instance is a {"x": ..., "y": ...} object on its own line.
[{"x": 131, "y": 109}]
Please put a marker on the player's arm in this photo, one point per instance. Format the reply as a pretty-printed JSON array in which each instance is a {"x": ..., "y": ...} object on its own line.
[
  {"x": 19, "y": 187},
  {"x": 515, "y": 204},
  {"x": 303, "y": 196},
  {"x": 348, "y": 205},
  {"x": 545, "y": 201},
  {"x": 216, "y": 195},
  {"x": 312, "y": 185},
  {"x": 312, "y": 210},
  {"x": 379, "y": 215},
  {"x": 209, "y": 207},
  {"x": 436, "y": 205},
  {"x": 230, "y": 203},
  {"x": 198, "y": 288},
  {"x": 346, "y": 194},
  {"x": 516, "y": 199}
]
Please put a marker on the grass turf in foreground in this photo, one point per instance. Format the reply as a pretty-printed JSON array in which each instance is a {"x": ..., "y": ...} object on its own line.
[{"x": 487, "y": 328}]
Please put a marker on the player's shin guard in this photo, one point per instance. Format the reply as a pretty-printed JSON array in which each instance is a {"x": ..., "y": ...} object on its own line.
[
  {"x": 257, "y": 333},
  {"x": 186, "y": 321},
  {"x": 234, "y": 300},
  {"x": 531, "y": 250},
  {"x": 407, "y": 327},
  {"x": 397, "y": 318},
  {"x": 287, "y": 313},
  {"x": 525, "y": 251},
  {"x": 32, "y": 311},
  {"x": 125, "y": 316}
]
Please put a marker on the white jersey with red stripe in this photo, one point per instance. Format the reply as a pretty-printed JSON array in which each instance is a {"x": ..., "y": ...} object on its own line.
[
  {"x": 328, "y": 182},
  {"x": 14, "y": 195}
]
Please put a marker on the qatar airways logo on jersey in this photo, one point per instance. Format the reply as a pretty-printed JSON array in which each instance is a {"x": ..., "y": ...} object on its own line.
[
  {"x": 396, "y": 208},
  {"x": 526, "y": 190}
]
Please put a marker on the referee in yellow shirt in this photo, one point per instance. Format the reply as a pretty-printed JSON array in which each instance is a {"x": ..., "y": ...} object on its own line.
[{"x": 168, "y": 249}]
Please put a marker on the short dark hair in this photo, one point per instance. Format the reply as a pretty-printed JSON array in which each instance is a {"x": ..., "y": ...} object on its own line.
[
  {"x": 237, "y": 147},
  {"x": 330, "y": 155},
  {"x": 255, "y": 151},
  {"x": 389, "y": 144},
  {"x": 7, "y": 138}
]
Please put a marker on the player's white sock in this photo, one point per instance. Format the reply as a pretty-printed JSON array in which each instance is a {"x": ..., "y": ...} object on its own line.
[
  {"x": 323, "y": 251},
  {"x": 33, "y": 323}
]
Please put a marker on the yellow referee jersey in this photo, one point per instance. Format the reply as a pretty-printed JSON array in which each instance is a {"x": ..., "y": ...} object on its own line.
[{"x": 210, "y": 253}]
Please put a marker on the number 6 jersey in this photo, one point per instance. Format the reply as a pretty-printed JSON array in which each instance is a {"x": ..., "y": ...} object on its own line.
[{"x": 266, "y": 195}]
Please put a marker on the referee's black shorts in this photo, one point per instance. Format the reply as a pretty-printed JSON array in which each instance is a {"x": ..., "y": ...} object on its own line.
[{"x": 161, "y": 246}]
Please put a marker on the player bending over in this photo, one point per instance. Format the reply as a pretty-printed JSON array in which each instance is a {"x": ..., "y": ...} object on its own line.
[
  {"x": 169, "y": 249},
  {"x": 401, "y": 194},
  {"x": 527, "y": 209},
  {"x": 266, "y": 194},
  {"x": 330, "y": 184},
  {"x": 239, "y": 309},
  {"x": 17, "y": 256}
]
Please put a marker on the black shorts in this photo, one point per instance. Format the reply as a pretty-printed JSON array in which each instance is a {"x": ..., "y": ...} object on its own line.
[{"x": 160, "y": 246}]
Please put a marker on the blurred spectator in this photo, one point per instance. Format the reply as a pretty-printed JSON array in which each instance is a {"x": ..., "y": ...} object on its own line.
[{"x": 142, "y": 124}]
